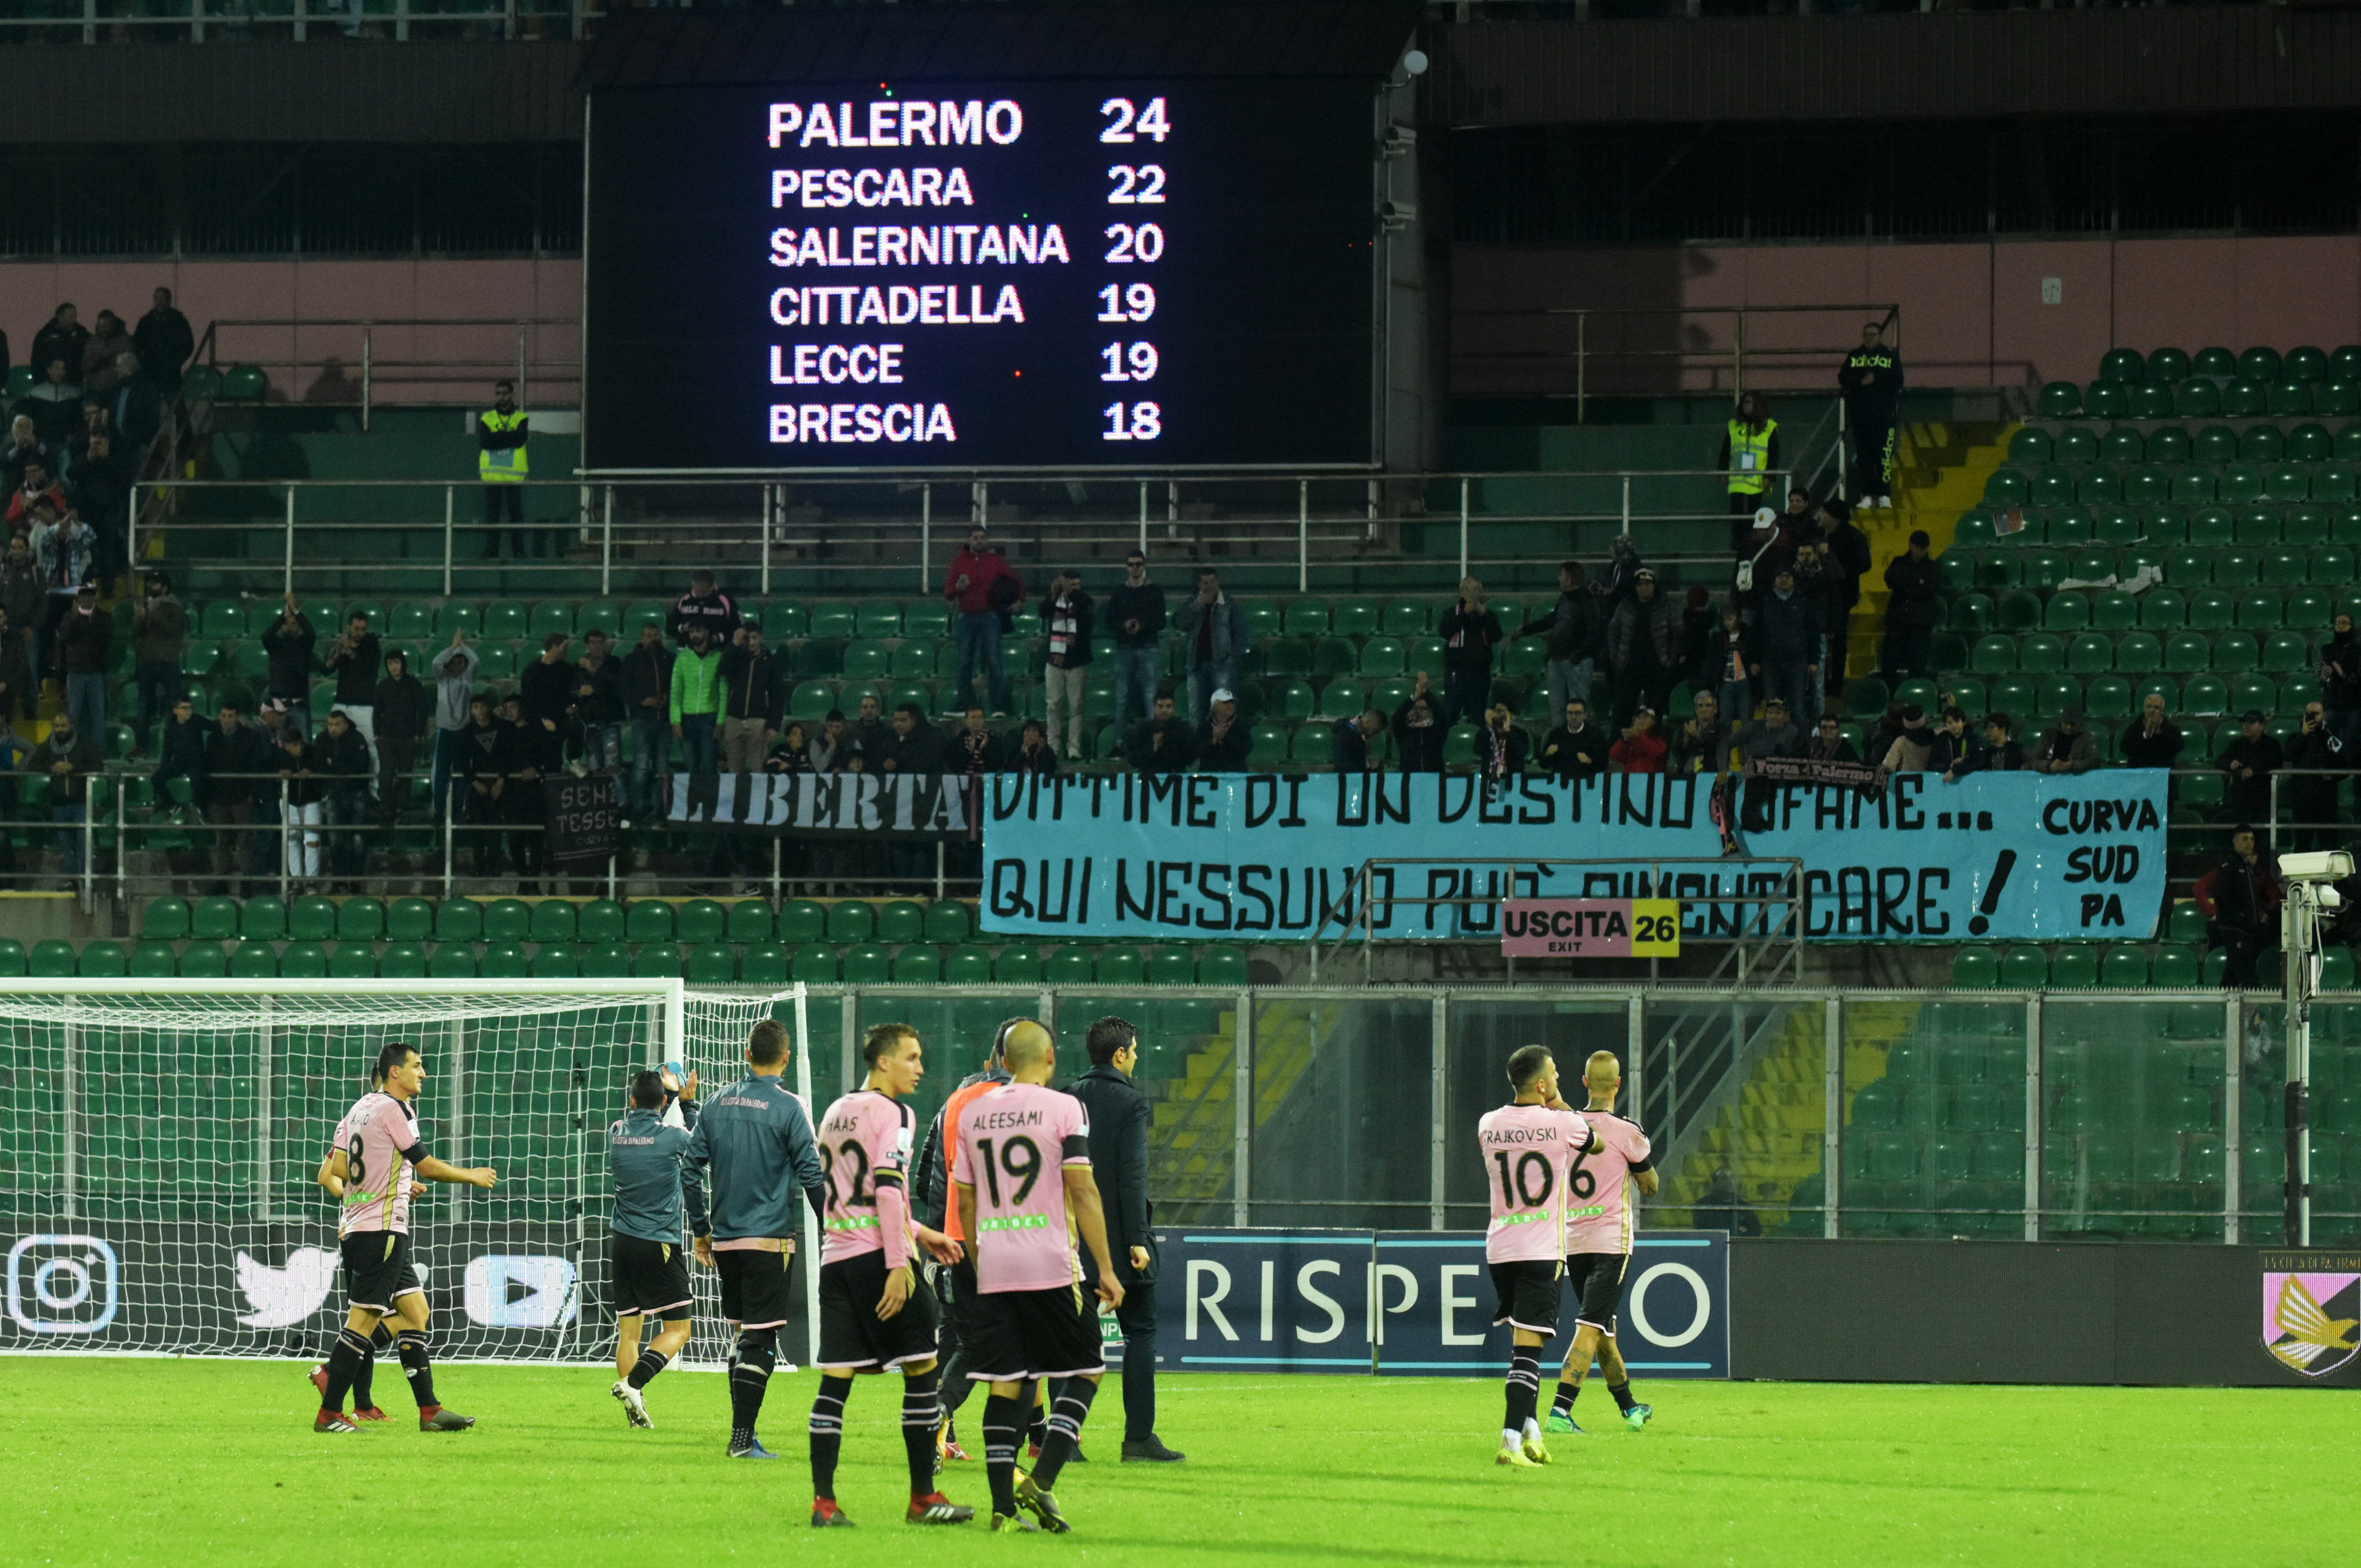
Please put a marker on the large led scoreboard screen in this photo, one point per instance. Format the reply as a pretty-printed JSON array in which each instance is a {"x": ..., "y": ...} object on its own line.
[{"x": 981, "y": 275}]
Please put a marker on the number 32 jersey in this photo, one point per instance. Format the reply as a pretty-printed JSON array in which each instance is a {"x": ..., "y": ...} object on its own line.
[
  {"x": 1015, "y": 1144},
  {"x": 1528, "y": 1150}
]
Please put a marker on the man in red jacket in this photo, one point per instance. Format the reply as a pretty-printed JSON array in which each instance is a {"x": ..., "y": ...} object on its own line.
[{"x": 982, "y": 587}]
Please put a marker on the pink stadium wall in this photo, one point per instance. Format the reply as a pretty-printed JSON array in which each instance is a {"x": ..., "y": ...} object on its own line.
[{"x": 1973, "y": 314}]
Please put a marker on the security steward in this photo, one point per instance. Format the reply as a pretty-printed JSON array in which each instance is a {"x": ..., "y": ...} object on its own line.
[
  {"x": 1750, "y": 452},
  {"x": 500, "y": 464}
]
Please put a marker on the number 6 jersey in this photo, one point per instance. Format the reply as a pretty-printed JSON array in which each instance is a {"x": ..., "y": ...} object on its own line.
[
  {"x": 1527, "y": 1152},
  {"x": 1015, "y": 1144},
  {"x": 1598, "y": 1189}
]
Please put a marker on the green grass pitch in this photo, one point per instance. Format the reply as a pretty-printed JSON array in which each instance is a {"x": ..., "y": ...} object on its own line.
[{"x": 180, "y": 1461}]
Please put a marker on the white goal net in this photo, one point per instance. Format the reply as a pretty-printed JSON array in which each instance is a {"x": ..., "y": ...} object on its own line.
[{"x": 158, "y": 1194}]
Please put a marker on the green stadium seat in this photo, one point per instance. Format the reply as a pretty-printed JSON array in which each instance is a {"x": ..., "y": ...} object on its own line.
[
  {"x": 1222, "y": 966},
  {"x": 814, "y": 964},
  {"x": 2059, "y": 400},
  {"x": 55, "y": 960},
  {"x": 750, "y": 920},
  {"x": 313, "y": 919},
  {"x": 549, "y": 616},
  {"x": 505, "y": 620},
  {"x": 451, "y": 961},
  {"x": 165, "y": 920},
  {"x": 712, "y": 963},
  {"x": 1120, "y": 966},
  {"x": 851, "y": 920},
  {"x": 765, "y": 963},
  {"x": 2029, "y": 447},
  {"x": 504, "y": 960},
  {"x": 967, "y": 964},
  {"x": 456, "y": 920},
  {"x": 552, "y": 922},
  {"x": 602, "y": 960},
  {"x": 647, "y": 920},
  {"x": 917, "y": 964},
  {"x": 1069, "y": 964},
  {"x": 153, "y": 960},
  {"x": 949, "y": 922},
  {"x": 2025, "y": 969},
  {"x": 699, "y": 921},
  {"x": 599, "y": 920},
  {"x": 867, "y": 964},
  {"x": 353, "y": 960},
  {"x": 303, "y": 960},
  {"x": 361, "y": 920},
  {"x": 508, "y": 920},
  {"x": 659, "y": 960},
  {"x": 1019, "y": 965},
  {"x": 901, "y": 921},
  {"x": 254, "y": 960},
  {"x": 802, "y": 920},
  {"x": 402, "y": 960},
  {"x": 1173, "y": 965}
]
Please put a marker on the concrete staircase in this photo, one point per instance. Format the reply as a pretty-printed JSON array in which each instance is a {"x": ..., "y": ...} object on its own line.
[
  {"x": 1191, "y": 1152},
  {"x": 1942, "y": 472}
]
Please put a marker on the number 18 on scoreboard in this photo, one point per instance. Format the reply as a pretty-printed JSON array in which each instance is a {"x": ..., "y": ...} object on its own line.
[{"x": 1590, "y": 929}]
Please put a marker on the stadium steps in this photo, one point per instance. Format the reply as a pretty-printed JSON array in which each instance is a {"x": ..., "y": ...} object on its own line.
[
  {"x": 1771, "y": 1133},
  {"x": 1942, "y": 471},
  {"x": 1193, "y": 1154}
]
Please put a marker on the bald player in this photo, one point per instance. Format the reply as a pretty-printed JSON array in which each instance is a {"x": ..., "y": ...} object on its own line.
[
  {"x": 1021, "y": 1171},
  {"x": 1599, "y": 1225},
  {"x": 1529, "y": 1145},
  {"x": 935, "y": 1206}
]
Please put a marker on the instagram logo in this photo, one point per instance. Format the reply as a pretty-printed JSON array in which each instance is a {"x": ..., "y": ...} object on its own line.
[{"x": 62, "y": 1285}]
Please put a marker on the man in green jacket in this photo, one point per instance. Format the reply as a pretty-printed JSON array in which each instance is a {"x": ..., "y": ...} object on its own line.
[{"x": 697, "y": 693}]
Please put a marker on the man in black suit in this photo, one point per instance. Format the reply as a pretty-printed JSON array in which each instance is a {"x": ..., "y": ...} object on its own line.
[{"x": 1120, "y": 1116}]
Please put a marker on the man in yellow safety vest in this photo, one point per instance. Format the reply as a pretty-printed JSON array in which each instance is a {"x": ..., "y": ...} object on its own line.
[
  {"x": 1750, "y": 452},
  {"x": 501, "y": 435}
]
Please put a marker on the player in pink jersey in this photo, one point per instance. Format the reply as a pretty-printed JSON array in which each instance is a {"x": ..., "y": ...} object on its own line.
[
  {"x": 876, "y": 1314},
  {"x": 1030, "y": 1318},
  {"x": 364, "y": 1400},
  {"x": 382, "y": 1159},
  {"x": 1599, "y": 1223},
  {"x": 1527, "y": 1144}
]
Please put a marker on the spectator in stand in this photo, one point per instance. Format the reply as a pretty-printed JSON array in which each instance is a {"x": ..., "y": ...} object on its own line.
[
  {"x": 1750, "y": 454},
  {"x": 1912, "y": 751},
  {"x": 503, "y": 463},
  {"x": 63, "y": 547},
  {"x": 181, "y": 749},
  {"x": 488, "y": 750},
  {"x": 159, "y": 639},
  {"x": 288, "y": 643},
  {"x": 139, "y": 412},
  {"x": 1641, "y": 645},
  {"x": 792, "y": 753},
  {"x": 1763, "y": 549},
  {"x": 833, "y": 749},
  {"x": 1640, "y": 750},
  {"x": 1419, "y": 730},
  {"x": 1576, "y": 627},
  {"x": 1881, "y": 736},
  {"x": 1952, "y": 743},
  {"x": 164, "y": 342},
  {"x": 237, "y": 764},
  {"x": 2068, "y": 748},
  {"x": 1136, "y": 611},
  {"x": 982, "y": 589},
  {"x": 1215, "y": 627},
  {"x": 1034, "y": 754},
  {"x": 20, "y": 694},
  {"x": 646, "y": 683},
  {"x": 38, "y": 487},
  {"x": 1348, "y": 742},
  {"x": 85, "y": 653},
  {"x": 599, "y": 705},
  {"x": 533, "y": 753},
  {"x": 27, "y": 607},
  {"x": 2315, "y": 772},
  {"x": 873, "y": 736},
  {"x": 1772, "y": 735},
  {"x": 696, "y": 700},
  {"x": 1815, "y": 582},
  {"x": 97, "y": 366},
  {"x": 2246, "y": 896},
  {"x": 103, "y": 495},
  {"x": 2153, "y": 741},
  {"x": 1623, "y": 569},
  {"x": 357, "y": 660},
  {"x": 1845, "y": 556},
  {"x": 1989, "y": 750},
  {"x": 1469, "y": 631},
  {"x": 1914, "y": 605},
  {"x": 1576, "y": 750},
  {"x": 708, "y": 606},
  {"x": 1829, "y": 745},
  {"x": 1224, "y": 744},
  {"x": 1066, "y": 617},
  {"x": 1786, "y": 644},
  {"x": 400, "y": 705},
  {"x": 1871, "y": 385},
  {"x": 754, "y": 698},
  {"x": 913, "y": 745},
  {"x": 61, "y": 340},
  {"x": 303, "y": 794},
  {"x": 975, "y": 750},
  {"x": 2340, "y": 681},
  {"x": 1164, "y": 744},
  {"x": 1702, "y": 743},
  {"x": 1723, "y": 1208},
  {"x": 69, "y": 755},
  {"x": 455, "y": 688},
  {"x": 1733, "y": 656},
  {"x": 345, "y": 763},
  {"x": 24, "y": 446},
  {"x": 1700, "y": 639},
  {"x": 54, "y": 404},
  {"x": 1502, "y": 749}
]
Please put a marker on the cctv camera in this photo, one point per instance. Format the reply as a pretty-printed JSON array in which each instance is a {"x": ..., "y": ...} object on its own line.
[{"x": 2325, "y": 865}]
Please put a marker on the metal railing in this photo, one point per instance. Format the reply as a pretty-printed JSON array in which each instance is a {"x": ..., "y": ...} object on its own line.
[
  {"x": 1586, "y": 361},
  {"x": 506, "y": 346},
  {"x": 208, "y": 21}
]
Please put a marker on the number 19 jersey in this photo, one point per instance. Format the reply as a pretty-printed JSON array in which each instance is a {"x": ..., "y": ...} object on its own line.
[
  {"x": 1014, "y": 1146},
  {"x": 1527, "y": 1149}
]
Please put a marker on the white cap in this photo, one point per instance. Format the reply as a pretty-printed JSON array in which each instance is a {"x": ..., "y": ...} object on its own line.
[{"x": 1223, "y": 694}]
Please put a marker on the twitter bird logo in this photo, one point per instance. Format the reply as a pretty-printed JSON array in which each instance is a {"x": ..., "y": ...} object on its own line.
[{"x": 282, "y": 1298}]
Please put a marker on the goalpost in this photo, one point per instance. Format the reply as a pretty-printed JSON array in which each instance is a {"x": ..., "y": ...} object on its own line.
[{"x": 157, "y": 1195}]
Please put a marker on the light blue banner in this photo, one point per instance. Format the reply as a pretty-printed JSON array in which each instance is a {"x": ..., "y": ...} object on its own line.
[{"x": 1230, "y": 857}]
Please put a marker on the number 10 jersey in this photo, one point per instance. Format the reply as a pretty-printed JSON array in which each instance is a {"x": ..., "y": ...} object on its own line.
[
  {"x": 1527, "y": 1152},
  {"x": 1015, "y": 1144}
]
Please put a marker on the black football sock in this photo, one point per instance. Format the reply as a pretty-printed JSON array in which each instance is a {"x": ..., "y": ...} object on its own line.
[
  {"x": 1566, "y": 1394},
  {"x": 828, "y": 1434},
  {"x": 418, "y": 1368},
  {"x": 920, "y": 1415},
  {"x": 956, "y": 1384},
  {"x": 1002, "y": 1418},
  {"x": 345, "y": 1359},
  {"x": 644, "y": 1372},
  {"x": 1036, "y": 1413},
  {"x": 1067, "y": 1413},
  {"x": 380, "y": 1341},
  {"x": 1622, "y": 1392},
  {"x": 748, "y": 1380},
  {"x": 1524, "y": 1386}
]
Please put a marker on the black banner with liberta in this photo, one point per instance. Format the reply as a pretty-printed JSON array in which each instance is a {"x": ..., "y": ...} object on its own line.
[{"x": 835, "y": 806}]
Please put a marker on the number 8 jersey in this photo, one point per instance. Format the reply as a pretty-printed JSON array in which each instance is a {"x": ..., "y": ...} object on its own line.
[
  {"x": 1527, "y": 1151},
  {"x": 1015, "y": 1144}
]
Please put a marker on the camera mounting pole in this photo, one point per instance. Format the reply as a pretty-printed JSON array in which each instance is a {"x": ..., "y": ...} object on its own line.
[{"x": 2310, "y": 893}]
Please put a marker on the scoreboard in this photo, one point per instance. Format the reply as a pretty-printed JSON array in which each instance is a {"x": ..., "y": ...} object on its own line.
[{"x": 962, "y": 276}]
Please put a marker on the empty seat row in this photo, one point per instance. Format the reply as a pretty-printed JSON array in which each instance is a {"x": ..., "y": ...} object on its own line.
[
  {"x": 2076, "y": 527},
  {"x": 2139, "y": 652},
  {"x": 314, "y": 918},
  {"x": 2033, "y": 445},
  {"x": 2156, "y": 611},
  {"x": 2202, "y": 397},
  {"x": 2078, "y": 966},
  {"x": 2183, "y": 566},
  {"x": 2129, "y": 366},
  {"x": 2157, "y": 483}
]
